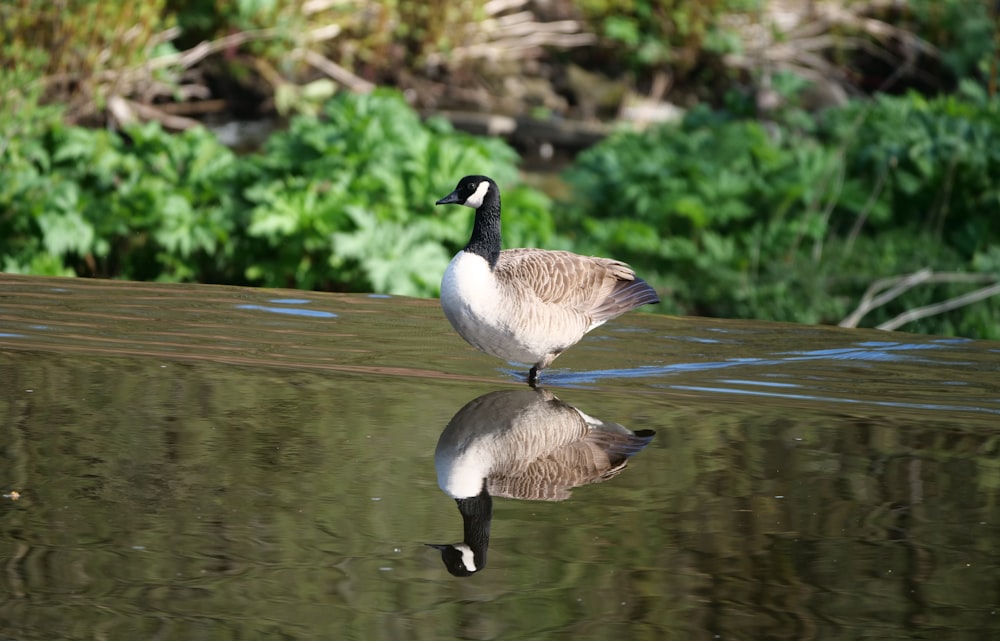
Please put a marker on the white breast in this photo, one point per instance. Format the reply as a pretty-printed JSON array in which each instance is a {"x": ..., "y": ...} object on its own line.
[
  {"x": 468, "y": 290},
  {"x": 461, "y": 472},
  {"x": 478, "y": 311}
]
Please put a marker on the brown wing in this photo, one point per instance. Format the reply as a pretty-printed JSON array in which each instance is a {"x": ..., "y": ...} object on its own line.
[
  {"x": 600, "y": 288},
  {"x": 599, "y": 456}
]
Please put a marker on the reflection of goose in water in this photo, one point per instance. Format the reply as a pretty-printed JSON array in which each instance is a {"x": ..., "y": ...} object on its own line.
[{"x": 524, "y": 444}]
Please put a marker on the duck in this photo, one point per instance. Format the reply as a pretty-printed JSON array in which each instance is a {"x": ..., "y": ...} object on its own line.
[
  {"x": 528, "y": 305},
  {"x": 521, "y": 444}
]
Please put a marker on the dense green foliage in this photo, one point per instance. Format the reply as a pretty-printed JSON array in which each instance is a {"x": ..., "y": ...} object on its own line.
[
  {"x": 735, "y": 217},
  {"x": 92, "y": 202},
  {"x": 963, "y": 31},
  {"x": 348, "y": 201},
  {"x": 726, "y": 216},
  {"x": 341, "y": 202}
]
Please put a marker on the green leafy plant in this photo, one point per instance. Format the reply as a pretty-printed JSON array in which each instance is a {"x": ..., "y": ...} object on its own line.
[
  {"x": 930, "y": 163},
  {"x": 347, "y": 201},
  {"x": 734, "y": 218},
  {"x": 964, "y": 32},
  {"x": 342, "y": 202},
  {"x": 145, "y": 206},
  {"x": 23, "y": 158}
]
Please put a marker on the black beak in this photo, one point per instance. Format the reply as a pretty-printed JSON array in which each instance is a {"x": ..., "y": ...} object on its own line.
[
  {"x": 450, "y": 199},
  {"x": 437, "y": 546}
]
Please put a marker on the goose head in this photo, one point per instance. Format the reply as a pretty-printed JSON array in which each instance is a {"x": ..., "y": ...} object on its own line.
[
  {"x": 459, "y": 558},
  {"x": 471, "y": 191},
  {"x": 469, "y": 556}
]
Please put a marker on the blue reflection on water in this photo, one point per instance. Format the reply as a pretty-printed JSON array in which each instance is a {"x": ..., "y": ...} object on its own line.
[
  {"x": 744, "y": 381},
  {"x": 862, "y": 352},
  {"x": 836, "y": 399},
  {"x": 292, "y": 311}
]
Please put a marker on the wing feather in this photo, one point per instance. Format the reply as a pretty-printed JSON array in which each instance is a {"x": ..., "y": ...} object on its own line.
[{"x": 597, "y": 288}]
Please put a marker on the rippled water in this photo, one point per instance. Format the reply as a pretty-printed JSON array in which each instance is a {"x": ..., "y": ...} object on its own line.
[{"x": 182, "y": 462}]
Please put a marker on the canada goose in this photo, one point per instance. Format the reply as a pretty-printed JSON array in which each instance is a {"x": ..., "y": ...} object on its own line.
[
  {"x": 528, "y": 305},
  {"x": 521, "y": 444}
]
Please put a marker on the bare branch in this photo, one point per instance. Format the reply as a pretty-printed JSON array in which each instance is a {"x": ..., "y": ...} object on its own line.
[
  {"x": 335, "y": 71},
  {"x": 895, "y": 286},
  {"x": 126, "y": 111},
  {"x": 793, "y": 36},
  {"x": 202, "y": 50},
  {"x": 942, "y": 307}
]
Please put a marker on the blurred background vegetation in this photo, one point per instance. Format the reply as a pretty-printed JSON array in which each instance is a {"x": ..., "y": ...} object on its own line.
[{"x": 815, "y": 161}]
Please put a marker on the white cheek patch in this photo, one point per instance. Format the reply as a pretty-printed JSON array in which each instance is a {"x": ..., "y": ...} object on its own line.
[
  {"x": 468, "y": 557},
  {"x": 476, "y": 199}
]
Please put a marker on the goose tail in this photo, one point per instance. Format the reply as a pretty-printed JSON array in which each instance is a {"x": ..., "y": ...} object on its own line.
[{"x": 626, "y": 296}]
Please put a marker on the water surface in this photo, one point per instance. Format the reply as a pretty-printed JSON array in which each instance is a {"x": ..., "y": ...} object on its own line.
[{"x": 185, "y": 462}]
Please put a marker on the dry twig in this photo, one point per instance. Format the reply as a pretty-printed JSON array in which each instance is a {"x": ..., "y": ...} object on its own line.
[
  {"x": 940, "y": 308},
  {"x": 795, "y": 36},
  {"x": 887, "y": 289},
  {"x": 514, "y": 36},
  {"x": 335, "y": 71}
]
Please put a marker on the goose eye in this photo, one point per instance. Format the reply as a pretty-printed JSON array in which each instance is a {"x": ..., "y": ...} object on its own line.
[{"x": 471, "y": 186}]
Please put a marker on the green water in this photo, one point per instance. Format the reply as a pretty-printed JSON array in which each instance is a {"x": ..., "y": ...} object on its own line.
[{"x": 202, "y": 462}]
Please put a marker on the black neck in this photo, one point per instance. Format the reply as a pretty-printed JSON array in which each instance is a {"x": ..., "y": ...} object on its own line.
[
  {"x": 477, "y": 514},
  {"x": 485, "y": 240}
]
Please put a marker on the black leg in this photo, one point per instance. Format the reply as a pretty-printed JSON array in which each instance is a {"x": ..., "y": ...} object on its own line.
[{"x": 533, "y": 377}]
